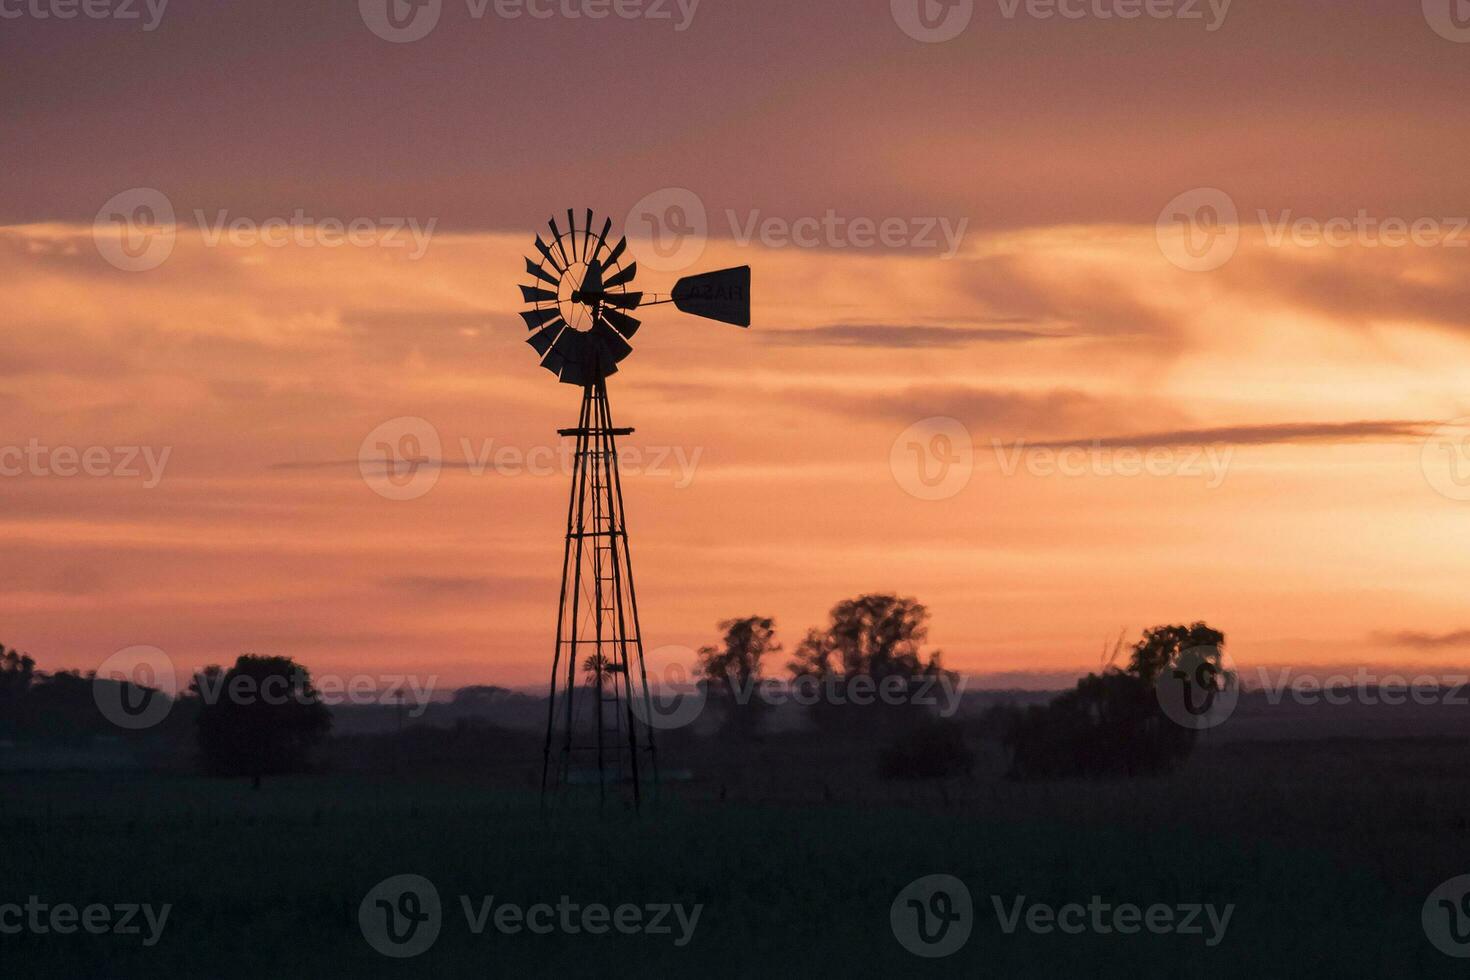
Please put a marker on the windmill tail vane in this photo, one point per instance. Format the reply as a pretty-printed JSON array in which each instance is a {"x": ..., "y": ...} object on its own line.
[{"x": 580, "y": 316}]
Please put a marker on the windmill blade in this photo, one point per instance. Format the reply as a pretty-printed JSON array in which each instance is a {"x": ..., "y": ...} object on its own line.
[
  {"x": 722, "y": 295},
  {"x": 623, "y": 301},
  {"x": 542, "y": 341},
  {"x": 572, "y": 223},
  {"x": 592, "y": 279},
  {"x": 587, "y": 252},
  {"x": 617, "y": 251},
  {"x": 542, "y": 274},
  {"x": 537, "y": 318},
  {"x": 571, "y": 345},
  {"x": 554, "y": 362},
  {"x": 534, "y": 294},
  {"x": 622, "y": 278},
  {"x": 542, "y": 248},
  {"x": 606, "y": 365},
  {"x": 602, "y": 239},
  {"x": 556, "y": 237},
  {"x": 622, "y": 322},
  {"x": 576, "y": 373},
  {"x": 610, "y": 341}
]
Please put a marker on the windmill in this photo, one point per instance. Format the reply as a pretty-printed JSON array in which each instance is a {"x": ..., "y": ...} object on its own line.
[{"x": 580, "y": 315}]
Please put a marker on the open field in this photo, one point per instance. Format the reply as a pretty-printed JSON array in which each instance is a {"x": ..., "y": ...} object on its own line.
[{"x": 1326, "y": 849}]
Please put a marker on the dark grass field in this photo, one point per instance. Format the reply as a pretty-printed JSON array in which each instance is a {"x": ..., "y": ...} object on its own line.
[{"x": 1326, "y": 849}]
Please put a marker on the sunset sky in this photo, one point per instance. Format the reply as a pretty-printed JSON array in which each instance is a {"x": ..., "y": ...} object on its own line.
[{"x": 1317, "y": 375}]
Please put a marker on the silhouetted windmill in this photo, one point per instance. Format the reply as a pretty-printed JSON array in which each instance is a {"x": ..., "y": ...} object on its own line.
[{"x": 582, "y": 326}]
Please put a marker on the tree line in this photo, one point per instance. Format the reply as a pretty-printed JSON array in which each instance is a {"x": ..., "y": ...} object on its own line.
[{"x": 1109, "y": 724}]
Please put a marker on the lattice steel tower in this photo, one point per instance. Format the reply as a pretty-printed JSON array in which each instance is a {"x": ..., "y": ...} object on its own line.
[{"x": 580, "y": 322}]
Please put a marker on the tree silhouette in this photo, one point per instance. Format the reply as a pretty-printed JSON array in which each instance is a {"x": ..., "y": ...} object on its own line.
[
  {"x": 1112, "y": 723},
  {"x": 600, "y": 671},
  {"x": 1161, "y": 647},
  {"x": 732, "y": 671},
  {"x": 878, "y": 637},
  {"x": 260, "y": 718},
  {"x": 17, "y": 670}
]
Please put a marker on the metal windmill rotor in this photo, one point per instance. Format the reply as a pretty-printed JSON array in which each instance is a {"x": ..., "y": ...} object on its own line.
[{"x": 581, "y": 307}]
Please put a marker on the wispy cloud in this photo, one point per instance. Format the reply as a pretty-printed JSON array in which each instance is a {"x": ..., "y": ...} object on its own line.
[
  {"x": 1259, "y": 435},
  {"x": 979, "y": 408},
  {"x": 903, "y": 337},
  {"x": 1417, "y": 640}
]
